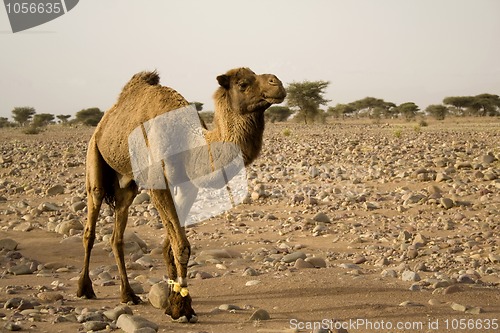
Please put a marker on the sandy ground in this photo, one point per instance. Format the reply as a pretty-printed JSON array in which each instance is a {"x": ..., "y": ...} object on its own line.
[{"x": 361, "y": 297}]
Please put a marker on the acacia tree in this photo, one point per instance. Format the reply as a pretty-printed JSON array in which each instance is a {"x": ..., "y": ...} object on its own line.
[
  {"x": 22, "y": 115},
  {"x": 438, "y": 111},
  {"x": 277, "y": 113},
  {"x": 4, "y": 122},
  {"x": 63, "y": 118},
  {"x": 341, "y": 110},
  {"x": 408, "y": 110},
  {"x": 43, "y": 119},
  {"x": 373, "y": 106},
  {"x": 90, "y": 117},
  {"x": 307, "y": 96}
]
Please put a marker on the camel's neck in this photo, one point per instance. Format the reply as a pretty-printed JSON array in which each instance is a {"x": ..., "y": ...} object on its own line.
[{"x": 244, "y": 130}]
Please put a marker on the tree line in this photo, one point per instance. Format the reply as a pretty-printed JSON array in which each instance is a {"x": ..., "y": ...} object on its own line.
[
  {"x": 305, "y": 101},
  {"x": 26, "y": 117}
]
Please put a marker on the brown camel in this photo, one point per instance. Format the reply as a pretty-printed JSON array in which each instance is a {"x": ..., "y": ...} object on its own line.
[{"x": 240, "y": 102}]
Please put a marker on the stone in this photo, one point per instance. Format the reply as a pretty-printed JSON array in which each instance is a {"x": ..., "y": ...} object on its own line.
[
  {"x": 321, "y": 217},
  {"x": 447, "y": 203},
  {"x": 65, "y": 227},
  {"x": 141, "y": 198},
  {"x": 8, "y": 244},
  {"x": 317, "y": 262},
  {"x": 301, "y": 264},
  {"x": 250, "y": 272},
  {"x": 410, "y": 276},
  {"x": 48, "y": 207},
  {"x": 55, "y": 190},
  {"x": 94, "y": 325},
  {"x": 130, "y": 323},
  {"x": 49, "y": 296},
  {"x": 458, "y": 307},
  {"x": 158, "y": 295},
  {"x": 13, "y": 327},
  {"x": 22, "y": 269},
  {"x": 229, "y": 307},
  {"x": 292, "y": 257},
  {"x": 252, "y": 283},
  {"x": 260, "y": 314},
  {"x": 77, "y": 206},
  {"x": 452, "y": 289},
  {"x": 117, "y": 312}
]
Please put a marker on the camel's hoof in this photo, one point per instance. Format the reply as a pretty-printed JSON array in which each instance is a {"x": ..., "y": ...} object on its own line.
[
  {"x": 86, "y": 294},
  {"x": 184, "y": 320},
  {"x": 132, "y": 300}
]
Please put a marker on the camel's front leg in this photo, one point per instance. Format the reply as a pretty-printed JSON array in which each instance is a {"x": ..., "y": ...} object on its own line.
[
  {"x": 177, "y": 251},
  {"x": 124, "y": 197}
]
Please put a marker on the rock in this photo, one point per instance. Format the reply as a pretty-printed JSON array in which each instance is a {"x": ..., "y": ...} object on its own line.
[
  {"x": 494, "y": 258},
  {"x": 474, "y": 310},
  {"x": 252, "y": 283},
  {"x": 55, "y": 190},
  {"x": 49, "y": 297},
  {"x": 316, "y": 262},
  {"x": 410, "y": 276},
  {"x": 389, "y": 273},
  {"x": 90, "y": 316},
  {"x": 250, "y": 272},
  {"x": 301, "y": 264},
  {"x": 10, "y": 326},
  {"x": 117, "y": 312},
  {"x": 131, "y": 236},
  {"x": 359, "y": 260},
  {"x": 130, "y": 323},
  {"x": 452, "y": 289},
  {"x": 447, "y": 203},
  {"x": 228, "y": 307},
  {"x": 94, "y": 326},
  {"x": 141, "y": 198},
  {"x": 458, "y": 307},
  {"x": 22, "y": 269},
  {"x": 77, "y": 206},
  {"x": 441, "y": 177},
  {"x": 321, "y": 217},
  {"x": 292, "y": 257},
  {"x": 24, "y": 227},
  {"x": 8, "y": 244},
  {"x": 48, "y": 207},
  {"x": 260, "y": 314},
  {"x": 13, "y": 303},
  {"x": 488, "y": 158},
  {"x": 65, "y": 227},
  {"x": 158, "y": 295}
]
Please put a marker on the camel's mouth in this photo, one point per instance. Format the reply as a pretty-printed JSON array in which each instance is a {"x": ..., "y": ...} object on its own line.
[{"x": 274, "y": 100}]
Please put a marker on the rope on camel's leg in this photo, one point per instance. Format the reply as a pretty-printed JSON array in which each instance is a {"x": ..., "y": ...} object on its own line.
[{"x": 178, "y": 289}]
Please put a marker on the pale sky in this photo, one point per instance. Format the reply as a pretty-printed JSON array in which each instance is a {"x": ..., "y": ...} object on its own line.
[{"x": 399, "y": 50}]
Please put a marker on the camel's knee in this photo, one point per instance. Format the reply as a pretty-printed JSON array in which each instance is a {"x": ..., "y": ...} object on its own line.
[{"x": 183, "y": 253}]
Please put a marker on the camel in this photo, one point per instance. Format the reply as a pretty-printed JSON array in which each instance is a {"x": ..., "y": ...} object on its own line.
[{"x": 240, "y": 102}]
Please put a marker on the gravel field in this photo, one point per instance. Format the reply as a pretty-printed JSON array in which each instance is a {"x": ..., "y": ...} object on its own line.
[{"x": 348, "y": 227}]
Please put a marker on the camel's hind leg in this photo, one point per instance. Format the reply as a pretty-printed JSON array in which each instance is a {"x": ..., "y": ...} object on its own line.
[
  {"x": 124, "y": 197},
  {"x": 95, "y": 168}
]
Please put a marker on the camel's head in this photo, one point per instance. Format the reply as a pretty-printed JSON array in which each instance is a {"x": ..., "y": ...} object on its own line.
[{"x": 249, "y": 92}]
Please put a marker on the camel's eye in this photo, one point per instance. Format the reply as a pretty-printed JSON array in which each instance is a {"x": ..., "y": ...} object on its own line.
[{"x": 243, "y": 85}]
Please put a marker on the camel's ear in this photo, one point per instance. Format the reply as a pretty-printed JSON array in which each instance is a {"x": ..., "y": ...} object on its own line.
[{"x": 223, "y": 81}]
